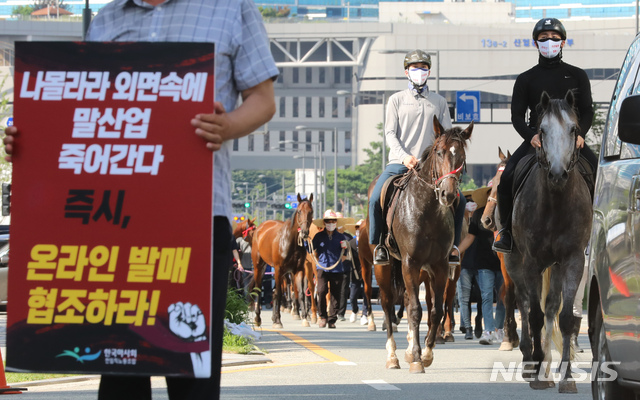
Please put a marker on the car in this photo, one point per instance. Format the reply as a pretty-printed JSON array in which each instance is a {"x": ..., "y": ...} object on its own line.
[
  {"x": 614, "y": 248},
  {"x": 4, "y": 269}
]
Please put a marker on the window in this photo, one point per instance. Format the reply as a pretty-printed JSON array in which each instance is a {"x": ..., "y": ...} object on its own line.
[
  {"x": 267, "y": 142},
  {"x": 308, "y": 139},
  {"x": 283, "y": 102},
  {"x": 235, "y": 144},
  {"x": 295, "y": 78},
  {"x": 348, "y": 73},
  {"x": 334, "y": 107},
  {"x": 321, "y": 107},
  {"x": 347, "y": 142},
  {"x": 321, "y": 75},
  {"x": 321, "y": 140},
  {"x": 282, "y": 139},
  {"x": 336, "y": 74},
  {"x": 309, "y": 73},
  {"x": 295, "y": 107},
  {"x": 294, "y": 145},
  {"x": 308, "y": 106},
  {"x": 250, "y": 139}
]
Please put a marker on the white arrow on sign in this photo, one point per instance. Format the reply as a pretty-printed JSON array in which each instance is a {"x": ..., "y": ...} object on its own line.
[{"x": 465, "y": 97}]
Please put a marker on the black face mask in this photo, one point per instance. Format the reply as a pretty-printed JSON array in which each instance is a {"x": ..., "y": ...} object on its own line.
[{"x": 549, "y": 38}]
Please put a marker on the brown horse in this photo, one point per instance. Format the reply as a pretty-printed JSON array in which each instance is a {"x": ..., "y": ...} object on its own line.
[
  {"x": 244, "y": 229},
  {"x": 511, "y": 339},
  {"x": 280, "y": 244},
  {"x": 423, "y": 228}
]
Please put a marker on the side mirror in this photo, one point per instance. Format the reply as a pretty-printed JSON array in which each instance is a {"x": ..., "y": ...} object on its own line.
[{"x": 629, "y": 120}]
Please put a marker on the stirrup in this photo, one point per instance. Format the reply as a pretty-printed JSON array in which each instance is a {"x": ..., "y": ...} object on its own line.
[
  {"x": 454, "y": 262},
  {"x": 380, "y": 247}
]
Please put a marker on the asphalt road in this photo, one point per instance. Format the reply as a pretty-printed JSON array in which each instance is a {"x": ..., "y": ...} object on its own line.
[{"x": 314, "y": 363}]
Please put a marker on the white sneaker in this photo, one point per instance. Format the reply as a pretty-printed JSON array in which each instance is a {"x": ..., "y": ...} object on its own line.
[
  {"x": 487, "y": 338},
  {"x": 499, "y": 334},
  {"x": 364, "y": 320},
  {"x": 353, "y": 317}
]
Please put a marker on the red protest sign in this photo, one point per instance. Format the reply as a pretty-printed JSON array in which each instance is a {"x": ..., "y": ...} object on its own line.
[{"x": 111, "y": 234}]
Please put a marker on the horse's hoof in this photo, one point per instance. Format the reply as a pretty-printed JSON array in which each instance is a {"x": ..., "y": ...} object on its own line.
[
  {"x": 439, "y": 339},
  {"x": 539, "y": 385},
  {"x": 416, "y": 368},
  {"x": 371, "y": 327},
  {"x": 393, "y": 364},
  {"x": 296, "y": 317},
  {"x": 277, "y": 325},
  {"x": 427, "y": 361},
  {"x": 257, "y": 322},
  {"x": 506, "y": 346},
  {"x": 305, "y": 323},
  {"x": 314, "y": 320},
  {"x": 448, "y": 337},
  {"x": 566, "y": 386}
]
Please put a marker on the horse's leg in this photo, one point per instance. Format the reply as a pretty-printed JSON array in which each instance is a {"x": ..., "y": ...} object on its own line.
[
  {"x": 411, "y": 275},
  {"x": 301, "y": 298},
  {"x": 551, "y": 292},
  {"x": 365, "y": 272},
  {"x": 536, "y": 320},
  {"x": 383, "y": 276},
  {"x": 573, "y": 275},
  {"x": 450, "y": 294},
  {"x": 510, "y": 339},
  {"x": 311, "y": 287},
  {"x": 277, "y": 298},
  {"x": 522, "y": 297},
  {"x": 295, "y": 297},
  {"x": 258, "y": 272},
  {"x": 438, "y": 283},
  {"x": 428, "y": 298}
]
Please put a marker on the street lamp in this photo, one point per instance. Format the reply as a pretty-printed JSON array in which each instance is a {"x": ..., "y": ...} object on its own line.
[{"x": 335, "y": 158}]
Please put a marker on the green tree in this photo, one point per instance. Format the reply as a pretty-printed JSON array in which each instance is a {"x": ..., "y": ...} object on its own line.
[
  {"x": 22, "y": 11},
  {"x": 40, "y": 4},
  {"x": 274, "y": 12}
]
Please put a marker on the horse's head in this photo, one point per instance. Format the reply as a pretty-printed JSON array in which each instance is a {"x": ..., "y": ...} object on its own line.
[
  {"x": 445, "y": 160},
  {"x": 558, "y": 129},
  {"x": 248, "y": 227},
  {"x": 488, "y": 216},
  {"x": 304, "y": 215}
]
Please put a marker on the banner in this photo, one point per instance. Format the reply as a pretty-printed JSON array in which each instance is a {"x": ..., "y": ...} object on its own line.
[{"x": 111, "y": 236}]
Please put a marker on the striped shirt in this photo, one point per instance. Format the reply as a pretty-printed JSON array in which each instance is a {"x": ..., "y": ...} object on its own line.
[{"x": 243, "y": 58}]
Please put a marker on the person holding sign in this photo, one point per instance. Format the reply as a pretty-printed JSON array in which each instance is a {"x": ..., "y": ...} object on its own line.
[{"x": 244, "y": 67}]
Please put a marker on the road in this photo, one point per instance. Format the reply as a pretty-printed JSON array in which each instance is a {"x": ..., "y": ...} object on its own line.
[{"x": 314, "y": 363}]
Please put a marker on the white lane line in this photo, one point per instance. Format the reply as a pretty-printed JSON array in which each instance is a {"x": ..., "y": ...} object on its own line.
[
  {"x": 379, "y": 384},
  {"x": 345, "y": 363}
]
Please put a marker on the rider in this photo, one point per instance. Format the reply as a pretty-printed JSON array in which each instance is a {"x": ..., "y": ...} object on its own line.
[
  {"x": 555, "y": 77},
  {"x": 409, "y": 131}
]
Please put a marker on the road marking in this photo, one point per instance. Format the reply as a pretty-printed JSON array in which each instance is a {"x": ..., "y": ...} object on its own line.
[
  {"x": 345, "y": 363},
  {"x": 379, "y": 384},
  {"x": 324, "y": 353},
  {"x": 230, "y": 371}
]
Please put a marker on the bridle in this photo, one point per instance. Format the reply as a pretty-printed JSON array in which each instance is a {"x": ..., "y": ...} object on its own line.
[
  {"x": 437, "y": 181},
  {"x": 246, "y": 232},
  {"x": 541, "y": 154},
  {"x": 493, "y": 199}
]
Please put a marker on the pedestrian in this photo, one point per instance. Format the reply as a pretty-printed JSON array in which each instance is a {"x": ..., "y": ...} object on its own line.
[
  {"x": 245, "y": 267},
  {"x": 554, "y": 76},
  {"x": 348, "y": 266},
  {"x": 329, "y": 248},
  {"x": 409, "y": 131},
  {"x": 356, "y": 286},
  {"x": 244, "y": 67},
  {"x": 489, "y": 275}
]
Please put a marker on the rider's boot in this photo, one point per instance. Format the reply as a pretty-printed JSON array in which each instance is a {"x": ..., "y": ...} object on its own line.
[
  {"x": 503, "y": 242},
  {"x": 380, "y": 255}
]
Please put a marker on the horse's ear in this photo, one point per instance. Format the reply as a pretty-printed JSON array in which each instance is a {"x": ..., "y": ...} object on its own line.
[
  {"x": 570, "y": 98},
  {"x": 466, "y": 134},
  {"x": 508, "y": 154},
  {"x": 437, "y": 128},
  {"x": 501, "y": 154},
  {"x": 544, "y": 100},
  {"x": 253, "y": 221},
  {"x": 299, "y": 198},
  {"x": 311, "y": 198}
]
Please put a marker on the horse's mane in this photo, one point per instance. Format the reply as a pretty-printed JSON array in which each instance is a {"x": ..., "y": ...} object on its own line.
[{"x": 452, "y": 134}]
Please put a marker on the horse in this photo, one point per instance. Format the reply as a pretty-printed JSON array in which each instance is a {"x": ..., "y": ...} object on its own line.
[
  {"x": 489, "y": 220},
  {"x": 551, "y": 223},
  {"x": 244, "y": 229},
  {"x": 423, "y": 229},
  {"x": 281, "y": 245}
]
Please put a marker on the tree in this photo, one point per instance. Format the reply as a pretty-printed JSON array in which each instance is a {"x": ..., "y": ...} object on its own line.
[
  {"x": 274, "y": 12},
  {"x": 40, "y": 4},
  {"x": 22, "y": 11}
]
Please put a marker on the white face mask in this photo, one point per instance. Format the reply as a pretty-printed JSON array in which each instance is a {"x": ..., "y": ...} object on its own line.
[
  {"x": 549, "y": 48},
  {"x": 418, "y": 75},
  {"x": 330, "y": 226}
]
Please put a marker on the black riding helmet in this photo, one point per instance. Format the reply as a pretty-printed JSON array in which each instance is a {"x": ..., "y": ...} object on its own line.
[
  {"x": 416, "y": 56},
  {"x": 549, "y": 24}
]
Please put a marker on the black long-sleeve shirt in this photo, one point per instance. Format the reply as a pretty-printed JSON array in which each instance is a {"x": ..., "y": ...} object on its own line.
[{"x": 555, "y": 77}]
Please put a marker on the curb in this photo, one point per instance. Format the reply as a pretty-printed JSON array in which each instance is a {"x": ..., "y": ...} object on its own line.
[{"x": 55, "y": 381}]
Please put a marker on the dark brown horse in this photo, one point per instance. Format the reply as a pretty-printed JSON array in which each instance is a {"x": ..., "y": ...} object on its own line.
[
  {"x": 551, "y": 223},
  {"x": 489, "y": 217},
  {"x": 423, "y": 228},
  {"x": 280, "y": 244}
]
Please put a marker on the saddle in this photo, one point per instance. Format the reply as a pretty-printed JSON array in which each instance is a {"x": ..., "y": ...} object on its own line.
[
  {"x": 391, "y": 190},
  {"x": 529, "y": 162}
]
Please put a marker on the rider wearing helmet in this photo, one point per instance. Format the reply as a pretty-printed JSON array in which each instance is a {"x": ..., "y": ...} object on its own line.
[
  {"x": 409, "y": 131},
  {"x": 556, "y": 77}
]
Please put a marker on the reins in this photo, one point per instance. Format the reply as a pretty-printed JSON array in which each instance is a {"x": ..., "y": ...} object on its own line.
[{"x": 311, "y": 251}]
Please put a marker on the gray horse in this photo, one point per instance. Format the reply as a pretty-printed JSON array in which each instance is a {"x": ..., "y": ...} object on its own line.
[{"x": 551, "y": 225}]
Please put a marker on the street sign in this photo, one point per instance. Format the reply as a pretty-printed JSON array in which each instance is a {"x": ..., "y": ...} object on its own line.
[
  {"x": 468, "y": 106},
  {"x": 294, "y": 204},
  {"x": 291, "y": 197}
]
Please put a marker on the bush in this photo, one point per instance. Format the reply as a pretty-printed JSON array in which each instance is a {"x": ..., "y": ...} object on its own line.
[
  {"x": 235, "y": 343},
  {"x": 237, "y": 310}
]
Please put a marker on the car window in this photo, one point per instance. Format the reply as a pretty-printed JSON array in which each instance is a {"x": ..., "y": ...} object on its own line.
[{"x": 625, "y": 85}]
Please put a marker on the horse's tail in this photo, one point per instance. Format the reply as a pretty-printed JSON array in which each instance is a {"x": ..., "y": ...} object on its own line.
[{"x": 556, "y": 335}]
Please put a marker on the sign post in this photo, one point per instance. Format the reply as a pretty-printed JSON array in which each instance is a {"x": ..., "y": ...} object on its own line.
[{"x": 468, "y": 106}]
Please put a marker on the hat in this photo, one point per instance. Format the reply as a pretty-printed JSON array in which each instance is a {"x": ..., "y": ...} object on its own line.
[
  {"x": 329, "y": 214},
  {"x": 481, "y": 195},
  {"x": 353, "y": 227},
  {"x": 467, "y": 193}
]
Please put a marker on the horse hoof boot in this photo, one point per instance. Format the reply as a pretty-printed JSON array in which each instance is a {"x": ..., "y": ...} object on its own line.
[
  {"x": 506, "y": 346},
  {"x": 539, "y": 385},
  {"x": 277, "y": 325},
  {"x": 439, "y": 339},
  {"x": 305, "y": 323},
  {"x": 416, "y": 368},
  {"x": 393, "y": 364},
  {"x": 448, "y": 337},
  {"x": 566, "y": 386}
]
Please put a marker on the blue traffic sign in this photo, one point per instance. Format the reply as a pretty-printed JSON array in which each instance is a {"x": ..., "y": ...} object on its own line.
[
  {"x": 468, "y": 106},
  {"x": 10, "y": 121},
  {"x": 291, "y": 197},
  {"x": 294, "y": 204}
]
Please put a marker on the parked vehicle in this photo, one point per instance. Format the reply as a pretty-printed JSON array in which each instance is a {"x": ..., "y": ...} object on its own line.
[{"x": 614, "y": 254}]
